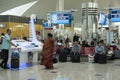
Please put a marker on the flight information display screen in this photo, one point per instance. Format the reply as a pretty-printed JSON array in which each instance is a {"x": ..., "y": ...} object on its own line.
[
  {"x": 102, "y": 19},
  {"x": 115, "y": 15},
  {"x": 60, "y": 17}
]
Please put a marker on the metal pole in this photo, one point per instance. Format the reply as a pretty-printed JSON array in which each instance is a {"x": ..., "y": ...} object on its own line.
[
  {"x": 101, "y": 31},
  {"x": 109, "y": 25},
  {"x": 87, "y": 22}
]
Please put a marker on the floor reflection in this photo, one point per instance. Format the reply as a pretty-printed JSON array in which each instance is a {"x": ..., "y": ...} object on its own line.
[{"x": 66, "y": 71}]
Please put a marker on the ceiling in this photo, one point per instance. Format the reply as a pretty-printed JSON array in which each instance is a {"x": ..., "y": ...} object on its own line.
[{"x": 42, "y": 7}]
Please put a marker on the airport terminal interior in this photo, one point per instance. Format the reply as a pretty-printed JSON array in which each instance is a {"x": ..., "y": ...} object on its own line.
[{"x": 59, "y": 39}]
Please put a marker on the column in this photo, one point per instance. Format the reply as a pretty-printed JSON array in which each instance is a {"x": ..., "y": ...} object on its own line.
[
  {"x": 119, "y": 34},
  {"x": 60, "y": 5}
]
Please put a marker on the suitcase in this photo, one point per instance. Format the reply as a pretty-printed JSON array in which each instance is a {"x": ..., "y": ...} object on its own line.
[
  {"x": 117, "y": 54},
  {"x": 102, "y": 59},
  {"x": 63, "y": 56},
  {"x": 96, "y": 58},
  {"x": 15, "y": 59},
  {"x": 15, "y": 63},
  {"x": 75, "y": 57},
  {"x": 55, "y": 58}
]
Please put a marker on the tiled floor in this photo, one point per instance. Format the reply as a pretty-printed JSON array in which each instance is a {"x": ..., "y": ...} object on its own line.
[{"x": 66, "y": 71}]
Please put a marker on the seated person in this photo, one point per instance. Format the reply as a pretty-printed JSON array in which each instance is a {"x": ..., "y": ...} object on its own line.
[
  {"x": 76, "y": 48},
  {"x": 75, "y": 53},
  {"x": 93, "y": 43},
  {"x": 85, "y": 44},
  {"x": 99, "y": 49},
  {"x": 67, "y": 49}
]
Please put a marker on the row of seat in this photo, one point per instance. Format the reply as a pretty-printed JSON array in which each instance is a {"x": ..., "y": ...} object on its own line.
[{"x": 85, "y": 51}]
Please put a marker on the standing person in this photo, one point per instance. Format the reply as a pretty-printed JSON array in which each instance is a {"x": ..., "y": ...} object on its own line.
[
  {"x": 47, "y": 52},
  {"x": 39, "y": 38},
  {"x": 75, "y": 38},
  {"x": 67, "y": 40},
  {"x": 5, "y": 46},
  {"x": 24, "y": 37}
]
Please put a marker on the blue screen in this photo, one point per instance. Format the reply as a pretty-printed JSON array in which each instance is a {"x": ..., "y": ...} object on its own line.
[
  {"x": 102, "y": 19},
  {"x": 60, "y": 17},
  {"x": 46, "y": 25},
  {"x": 115, "y": 15}
]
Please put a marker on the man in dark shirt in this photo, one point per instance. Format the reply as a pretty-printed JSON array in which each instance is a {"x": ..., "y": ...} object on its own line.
[{"x": 75, "y": 38}]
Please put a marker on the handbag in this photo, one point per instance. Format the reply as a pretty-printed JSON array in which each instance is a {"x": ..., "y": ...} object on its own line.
[{"x": 55, "y": 58}]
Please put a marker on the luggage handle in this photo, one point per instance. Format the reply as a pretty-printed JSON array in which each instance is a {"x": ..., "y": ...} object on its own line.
[{"x": 16, "y": 49}]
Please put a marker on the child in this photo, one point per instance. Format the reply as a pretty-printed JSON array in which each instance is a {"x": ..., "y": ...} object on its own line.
[{"x": 90, "y": 58}]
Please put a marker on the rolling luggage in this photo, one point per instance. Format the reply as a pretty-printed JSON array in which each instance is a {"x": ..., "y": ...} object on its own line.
[
  {"x": 96, "y": 58},
  {"x": 102, "y": 58},
  {"x": 14, "y": 63},
  {"x": 117, "y": 54},
  {"x": 15, "y": 59},
  {"x": 55, "y": 58},
  {"x": 75, "y": 57},
  {"x": 63, "y": 55}
]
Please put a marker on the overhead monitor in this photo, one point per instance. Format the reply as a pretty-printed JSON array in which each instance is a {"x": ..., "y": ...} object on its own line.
[
  {"x": 115, "y": 15},
  {"x": 102, "y": 19},
  {"x": 62, "y": 17},
  {"x": 47, "y": 25}
]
